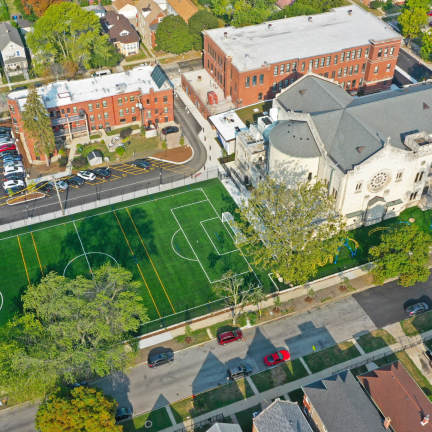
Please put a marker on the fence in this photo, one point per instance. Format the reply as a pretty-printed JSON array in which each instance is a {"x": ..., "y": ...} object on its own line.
[{"x": 203, "y": 425}]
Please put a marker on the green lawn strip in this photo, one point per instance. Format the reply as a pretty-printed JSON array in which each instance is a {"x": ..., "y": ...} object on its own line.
[
  {"x": 331, "y": 356},
  {"x": 391, "y": 358},
  {"x": 359, "y": 370},
  {"x": 211, "y": 400},
  {"x": 375, "y": 339},
  {"x": 245, "y": 417},
  {"x": 417, "y": 324},
  {"x": 415, "y": 373},
  {"x": 197, "y": 336},
  {"x": 141, "y": 146},
  {"x": 248, "y": 115},
  {"x": 159, "y": 418},
  {"x": 286, "y": 372},
  {"x": 118, "y": 130}
]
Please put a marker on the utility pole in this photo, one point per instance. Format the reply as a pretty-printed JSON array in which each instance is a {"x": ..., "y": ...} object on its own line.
[{"x": 58, "y": 196}]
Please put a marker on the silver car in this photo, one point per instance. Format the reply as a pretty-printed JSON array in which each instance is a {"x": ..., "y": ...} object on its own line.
[{"x": 417, "y": 308}]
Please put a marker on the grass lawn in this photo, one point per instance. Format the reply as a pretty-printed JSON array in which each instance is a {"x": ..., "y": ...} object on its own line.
[
  {"x": 359, "y": 370},
  {"x": 118, "y": 130},
  {"x": 245, "y": 418},
  {"x": 417, "y": 324},
  {"x": 331, "y": 356},
  {"x": 159, "y": 418},
  {"x": 249, "y": 115},
  {"x": 196, "y": 336},
  {"x": 375, "y": 339},
  {"x": 140, "y": 146},
  {"x": 286, "y": 372},
  {"x": 141, "y": 55},
  {"x": 168, "y": 241},
  {"x": 211, "y": 400},
  {"x": 391, "y": 358}
]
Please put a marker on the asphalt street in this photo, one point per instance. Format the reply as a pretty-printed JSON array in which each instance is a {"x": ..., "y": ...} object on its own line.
[{"x": 412, "y": 66}]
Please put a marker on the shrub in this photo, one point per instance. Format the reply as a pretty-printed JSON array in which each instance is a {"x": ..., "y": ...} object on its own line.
[
  {"x": 120, "y": 150},
  {"x": 79, "y": 162},
  {"x": 126, "y": 132},
  {"x": 80, "y": 148},
  {"x": 375, "y": 4}
]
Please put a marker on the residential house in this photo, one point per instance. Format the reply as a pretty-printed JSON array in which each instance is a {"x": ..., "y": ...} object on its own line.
[
  {"x": 225, "y": 427},
  {"x": 128, "y": 9},
  {"x": 399, "y": 398},
  {"x": 183, "y": 8},
  {"x": 281, "y": 416},
  {"x": 24, "y": 25},
  {"x": 121, "y": 32},
  {"x": 99, "y": 10},
  {"x": 339, "y": 404},
  {"x": 12, "y": 51},
  {"x": 149, "y": 16}
]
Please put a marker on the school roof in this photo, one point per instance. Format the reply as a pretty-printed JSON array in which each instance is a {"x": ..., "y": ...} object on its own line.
[
  {"x": 300, "y": 37},
  {"x": 227, "y": 124}
]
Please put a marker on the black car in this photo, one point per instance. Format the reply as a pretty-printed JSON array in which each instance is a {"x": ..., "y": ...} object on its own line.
[
  {"x": 241, "y": 371},
  {"x": 15, "y": 176},
  {"x": 169, "y": 129},
  {"x": 44, "y": 186},
  {"x": 102, "y": 172},
  {"x": 123, "y": 413},
  {"x": 428, "y": 354},
  {"x": 160, "y": 357},
  {"x": 8, "y": 153},
  {"x": 75, "y": 181},
  {"x": 141, "y": 163}
]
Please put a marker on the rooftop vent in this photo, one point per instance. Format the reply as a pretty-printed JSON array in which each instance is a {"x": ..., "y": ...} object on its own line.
[
  {"x": 387, "y": 422},
  {"x": 310, "y": 19},
  {"x": 225, "y": 35},
  {"x": 269, "y": 26},
  {"x": 425, "y": 420},
  {"x": 360, "y": 149},
  {"x": 425, "y": 106},
  {"x": 302, "y": 92},
  {"x": 349, "y": 11}
]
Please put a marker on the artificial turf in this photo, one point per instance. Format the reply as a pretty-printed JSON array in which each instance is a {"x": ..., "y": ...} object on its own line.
[{"x": 174, "y": 244}]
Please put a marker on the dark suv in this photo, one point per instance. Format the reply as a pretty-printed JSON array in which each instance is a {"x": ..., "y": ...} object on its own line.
[
  {"x": 241, "y": 371},
  {"x": 159, "y": 358},
  {"x": 169, "y": 129}
]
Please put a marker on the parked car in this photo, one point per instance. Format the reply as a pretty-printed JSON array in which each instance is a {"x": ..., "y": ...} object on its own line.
[
  {"x": 6, "y": 143},
  {"x": 241, "y": 371},
  {"x": 15, "y": 163},
  {"x": 13, "y": 183},
  {"x": 8, "y": 148},
  {"x": 417, "y": 308},
  {"x": 12, "y": 169},
  {"x": 11, "y": 157},
  {"x": 141, "y": 163},
  {"x": 14, "y": 190},
  {"x": 8, "y": 153},
  {"x": 169, "y": 129},
  {"x": 159, "y": 357},
  {"x": 102, "y": 172},
  {"x": 75, "y": 181},
  {"x": 86, "y": 175},
  {"x": 15, "y": 176},
  {"x": 428, "y": 354},
  {"x": 44, "y": 186},
  {"x": 123, "y": 413},
  {"x": 62, "y": 185},
  {"x": 5, "y": 129},
  {"x": 277, "y": 357},
  {"x": 229, "y": 336}
]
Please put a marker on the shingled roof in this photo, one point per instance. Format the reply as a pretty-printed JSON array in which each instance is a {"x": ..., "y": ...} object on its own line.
[
  {"x": 116, "y": 24},
  {"x": 9, "y": 33},
  {"x": 184, "y": 8}
]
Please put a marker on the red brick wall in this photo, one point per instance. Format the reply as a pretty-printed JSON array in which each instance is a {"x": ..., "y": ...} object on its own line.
[{"x": 201, "y": 106}]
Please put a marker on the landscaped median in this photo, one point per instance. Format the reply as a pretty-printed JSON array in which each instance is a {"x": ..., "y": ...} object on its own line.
[
  {"x": 375, "y": 339},
  {"x": 152, "y": 421},
  {"x": 417, "y": 324}
]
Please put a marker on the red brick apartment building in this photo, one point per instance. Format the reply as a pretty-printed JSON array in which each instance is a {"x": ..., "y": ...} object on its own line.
[
  {"x": 347, "y": 44},
  {"x": 142, "y": 95}
]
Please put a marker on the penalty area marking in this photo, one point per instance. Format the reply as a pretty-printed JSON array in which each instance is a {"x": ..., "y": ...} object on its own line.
[
  {"x": 1, "y": 301},
  {"x": 174, "y": 249},
  {"x": 88, "y": 253}
]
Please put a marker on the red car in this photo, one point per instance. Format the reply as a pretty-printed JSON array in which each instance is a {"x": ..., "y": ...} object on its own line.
[
  {"x": 277, "y": 357},
  {"x": 7, "y": 148},
  {"x": 229, "y": 336}
]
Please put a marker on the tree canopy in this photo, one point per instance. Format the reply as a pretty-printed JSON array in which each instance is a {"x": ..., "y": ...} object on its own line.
[
  {"x": 172, "y": 35},
  {"x": 291, "y": 230},
  {"x": 37, "y": 7},
  {"x": 413, "y": 17},
  {"x": 84, "y": 409},
  {"x": 38, "y": 124},
  {"x": 307, "y": 7},
  {"x": 67, "y": 33},
  {"x": 70, "y": 329},
  {"x": 202, "y": 20},
  {"x": 403, "y": 252}
]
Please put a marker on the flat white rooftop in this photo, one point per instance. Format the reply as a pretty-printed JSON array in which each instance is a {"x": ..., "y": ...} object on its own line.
[
  {"x": 227, "y": 124},
  {"x": 294, "y": 38},
  {"x": 62, "y": 93}
]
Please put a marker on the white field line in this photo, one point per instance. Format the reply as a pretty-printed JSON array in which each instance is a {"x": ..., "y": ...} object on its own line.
[
  {"x": 174, "y": 249},
  {"x": 82, "y": 246},
  {"x": 89, "y": 253},
  {"x": 208, "y": 235},
  {"x": 1, "y": 301}
]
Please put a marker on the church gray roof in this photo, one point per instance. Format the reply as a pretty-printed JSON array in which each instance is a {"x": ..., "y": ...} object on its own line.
[
  {"x": 9, "y": 33},
  {"x": 354, "y": 128}
]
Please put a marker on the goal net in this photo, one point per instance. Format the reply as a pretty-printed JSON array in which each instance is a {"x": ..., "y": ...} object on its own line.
[{"x": 237, "y": 235}]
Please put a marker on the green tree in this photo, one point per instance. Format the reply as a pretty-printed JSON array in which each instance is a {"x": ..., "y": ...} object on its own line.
[
  {"x": 413, "y": 18},
  {"x": 219, "y": 7},
  {"x": 256, "y": 296},
  {"x": 290, "y": 228},
  {"x": 38, "y": 125},
  {"x": 172, "y": 35},
  {"x": 426, "y": 48},
  {"x": 66, "y": 33},
  {"x": 231, "y": 288},
  {"x": 84, "y": 409},
  {"x": 404, "y": 253},
  {"x": 71, "y": 329},
  {"x": 202, "y": 20}
]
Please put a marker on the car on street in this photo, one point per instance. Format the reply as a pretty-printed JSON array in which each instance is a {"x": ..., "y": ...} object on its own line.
[
  {"x": 87, "y": 175},
  {"x": 75, "y": 181},
  {"x": 11, "y": 157},
  {"x": 44, "y": 186},
  {"x": 428, "y": 354},
  {"x": 241, "y": 371},
  {"x": 141, "y": 163},
  {"x": 13, "y": 183},
  {"x": 7, "y": 148},
  {"x": 12, "y": 170},
  {"x": 229, "y": 336},
  {"x": 62, "y": 185},
  {"x": 123, "y": 413},
  {"x": 169, "y": 130},
  {"x": 160, "y": 357},
  {"x": 102, "y": 172},
  {"x": 417, "y": 308},
  {"x": 277, "y": 357}
]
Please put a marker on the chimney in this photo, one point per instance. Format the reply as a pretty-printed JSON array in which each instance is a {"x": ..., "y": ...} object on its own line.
[
  {"x": 387, "y": 422},
  {"x": 118, "y": 17},
  {"x": 269, "y": 26},
  {"x": 349, "y": 11},
  {"x": 225, "y": 35},
  {"x": 425, "y": 420},
  {"x": 310, "y": 19}
]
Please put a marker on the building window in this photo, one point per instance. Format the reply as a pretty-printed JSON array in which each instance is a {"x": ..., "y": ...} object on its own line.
[
  {"x": 388, "y": 67},
  {"x": 286, "y": 82},
  {"x": 97, "y": 105},
  {"x": 104, "y": 104},
  {"x": 254, "y": 80},
  {"x": 348, "y": 85},
  {"x": 120, "y": 101},
  {"x": 366, "y": 52},
  {"x": 280, "y": 85},
  {"x": 340, "y": 72},
  {"x": 350, "y": 70},
  {"x": 121, "y": 113},
  {"x": 303, "y": 66},
  {"x": 342, "y": 57},
  {"x": 385, "y": 52},
  {"x": 132, "y": 98},
  {"x": 310, "y": 176},
  {"x": 418, "y": 177},
  {"x": 122, "y": 120},
  {"x": 148, "y": 101},
  {"x": 363, "y": 67},
  {"x": 149, "y": 114},
  {"x": 333, "y": 74},
  {"x": 133, "y": 118},
  {"x": 345, "y": 71},
  {"x": 353, "y": 83},
  {"x": 132, "y": 110},
  {"x": 328, "y": 60},
  {"x": 247, "y": 82},
  {"x": 358, "y": 187},
  {"x": 376, "y": 69},
  {"x": 105, "y": 115},
  {"x": 156, "y": 111},
  {"x": 326, "y": 74},
  {"x": 282, "y": 69},
  {"x": 380, "y": 52},
  {"x": 399, "y": 176},
  {"x": 391, "y": 51},
  {"x": 348, "y": 55},
  {"x": 155, "y": 100},
  {"x": 294, "y": 66},
  {"x": 165, "y": 110},
  {"x": 260, "y": 96},
  {"x": 316, "y": 63},
  {"x": 68, "y": 110},
  {"x": 99, "y": 116},
  {"x": 322, "y": 61},
  {"x": 74, "y": 109},
  {"x": 261, "y": 79},
  {"x": 91, "y": 117},
  {"x": 125, "y": 98},
  {"x": 274, "y": 87},
  {"x": 288, "y": 67},
  {"x": 90, "y": 107},
  {"x": 127, "y": 110},
  {"x": 356, "y": 69},
  {"x": 310, "y": 64},
  {"x": 361, "y": 82},
  {"x": 275, "y": 71},
  {"x": 413, "y": 196},
  {"x": 334, "y": 193},
  {"x": 335, "y": 60}
]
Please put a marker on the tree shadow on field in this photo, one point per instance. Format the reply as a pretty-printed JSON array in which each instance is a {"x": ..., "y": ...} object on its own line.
[{"x": 145, "y": 226}]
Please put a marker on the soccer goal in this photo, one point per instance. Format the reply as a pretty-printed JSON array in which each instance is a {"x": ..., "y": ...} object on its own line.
[{"x": 237, "y": 235}]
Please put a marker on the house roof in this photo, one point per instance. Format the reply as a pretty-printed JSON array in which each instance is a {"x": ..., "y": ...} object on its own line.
[
  {"x": 351, "y": 128},
  {"x": 224, "y": 427},
  {"x": 8, "y": 34},
  {"x": 94, "y": 154},
  {"x": 343, "y": 406},
  {"x": 295, "y": 38},
  {"x": 184, "y": 8},
  {"x": 282, "y": 416},
  {"x": 150, "y": 10},
  {"x": 115, "y": 24},
  {"x": 399, "y": 397}
]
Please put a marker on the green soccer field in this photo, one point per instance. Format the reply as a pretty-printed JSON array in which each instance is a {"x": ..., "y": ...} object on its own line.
[{"x": 174, "y": 243}]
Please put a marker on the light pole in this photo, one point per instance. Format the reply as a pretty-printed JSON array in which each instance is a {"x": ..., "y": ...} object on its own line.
[{"x": 58, "y": 195}]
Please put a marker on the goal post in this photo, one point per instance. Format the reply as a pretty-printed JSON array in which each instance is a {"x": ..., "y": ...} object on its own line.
[{"x": 237, "y": 235}]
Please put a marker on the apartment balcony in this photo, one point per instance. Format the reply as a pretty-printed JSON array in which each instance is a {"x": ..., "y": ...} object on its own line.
[
  {"x": 75, "y": 131},
  {"x": 68, "y": 119}
]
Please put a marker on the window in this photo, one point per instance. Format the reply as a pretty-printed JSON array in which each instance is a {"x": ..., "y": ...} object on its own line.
[
  {"x": 280, "y": 85},
  {"x": 380, "y": 52},
  {"x": 340, "y": 72},
  {"x": 361, "y": 82},
  {"x": 310, "y": 176},
  {"x": 148, "y": 113},
  {"x": 334, "y": 193},
  {"x": 68, "y": 110},
  {"x": 316, "y": 63},
  {"x": 388, "y": 67},
  {"x": 391, "y": 51},
  {"x": 121, "y": 113},
  {"x": 165, "y": 99},
  {"x": 97, "y": 105},
  {"x": 90, "y": 107},
  {"x": 134, "y": 118},
  {"x": 399, "y": 176},
  {"x": 165, "y": 110},
  {"x": 120, "y": 101},
  {"x": 132, "y": 110},
  {"x": 419, "y": 177},
  {"x": 99, "y": 116},
  {"x": 260, "y": 96},
  {"x": 413, "y": 196},
  {"x": 125, "y": 98},
  {"x": 274, "y": 87},
  {"x": 328, "y": 60},
  {"x": 322, "y": 61},
  {"x": 359, "y": 53},
  {"x": 294, "y": 66},
  {"x": 353, "y": 54},
  {"x": 105, "y": 115},
  {"x": 345, "y": 70},
  {"x": 367, "y": 52},
  {"x": 261, "y": 79},
  {"x": 356, "y": 68},
  {"x": 156, "y": 111},
  {"x": 385, "y": 52},
  {"x": 342, "y": 57},
  {"x": 358, "y": 187},
  {"x": 247, "y": 83},
  {"x": 288, "y": 67},
  {"x": 91, "y": 117},
  {"x": 74, "y": 109},
  {"x": 282, "y": 69},
  {"x": 104, "y": 104},
  {"x": 12, "y": 108},
  {"x": 350, "y": 70},
  {"x": 348, "y": 55},
  {"x": 286, "y": 82},
  {"x": 310, "y": 64},
  {"x": 127, "y": 110},
  {"x": 353, "y": 83},
  {"x": 254, "y": 80},
  {"x": 303, "y": 66},
  {"x": 155, "y": 99},
  {"x": 376, "y": 69},
  {"x": 148, "y": 101},
  {"x": 333, "y": 74},
  {"x": 132, "y": 98},
  {"x": 363, "y": 67},
  {"x": 275, "y": 70}
]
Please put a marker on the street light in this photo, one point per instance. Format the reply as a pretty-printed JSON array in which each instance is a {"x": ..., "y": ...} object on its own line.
[{"x": 58, "y": 195}]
